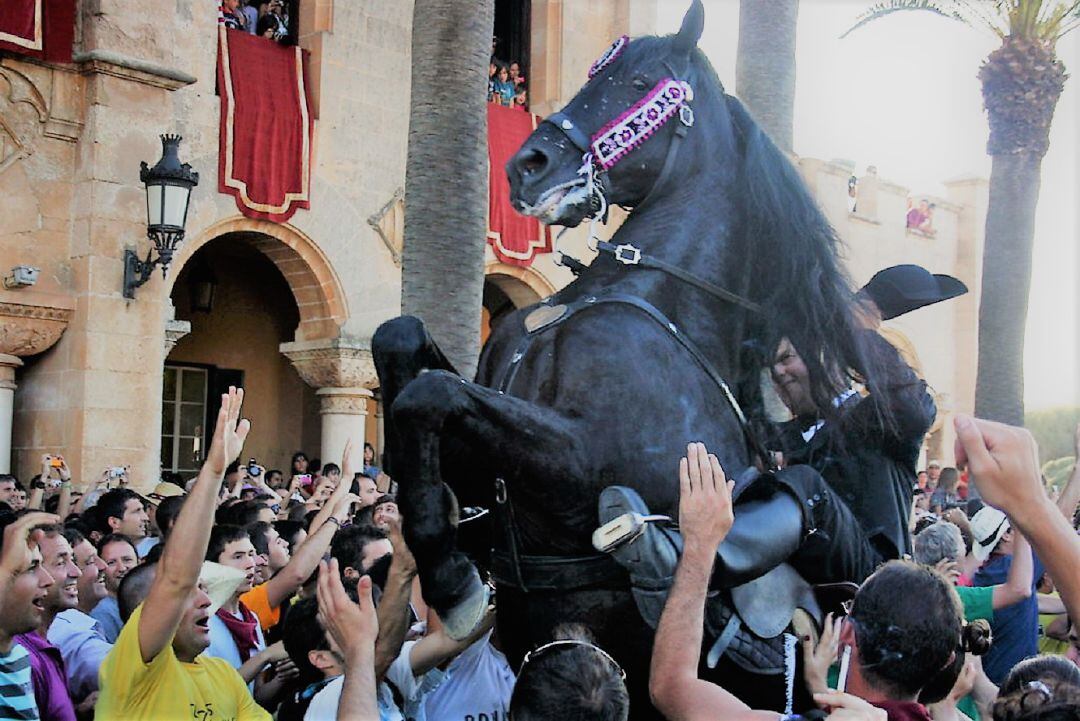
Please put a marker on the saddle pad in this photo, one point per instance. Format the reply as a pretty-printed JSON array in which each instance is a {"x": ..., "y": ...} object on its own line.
[{"x": 767, "y": 603}]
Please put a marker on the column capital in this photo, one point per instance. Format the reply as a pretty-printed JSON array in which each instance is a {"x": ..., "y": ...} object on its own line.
[
  {"x": 8, "y": 365},
  {"x": 343, "y": 401},
  {"x": 341, "y": 363}
]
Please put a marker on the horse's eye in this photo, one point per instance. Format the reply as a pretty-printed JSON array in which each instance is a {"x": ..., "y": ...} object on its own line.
[{"x": 639, "y": 84}]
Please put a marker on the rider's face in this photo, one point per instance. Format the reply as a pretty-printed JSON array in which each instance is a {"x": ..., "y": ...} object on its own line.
[{"x": 792, "y": 380}]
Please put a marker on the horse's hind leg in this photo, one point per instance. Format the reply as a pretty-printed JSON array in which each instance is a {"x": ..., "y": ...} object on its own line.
[{"x": 439, "y": 407}]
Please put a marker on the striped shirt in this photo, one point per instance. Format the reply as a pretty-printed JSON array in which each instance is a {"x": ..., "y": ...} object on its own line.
[{"x": 16, "y": 688}]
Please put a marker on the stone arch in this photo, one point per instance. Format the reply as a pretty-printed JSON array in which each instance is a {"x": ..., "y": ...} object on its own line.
[
  {"x": 524, "y": 286},
  {"x": 311, "y": 278}
]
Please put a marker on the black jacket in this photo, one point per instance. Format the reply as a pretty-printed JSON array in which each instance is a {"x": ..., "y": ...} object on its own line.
[{"x": 870, "y": 464}]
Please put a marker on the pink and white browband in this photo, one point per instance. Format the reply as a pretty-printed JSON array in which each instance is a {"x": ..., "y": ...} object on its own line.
[
  {"x": 640, "y": 121},
  {"x": 609, "y": 55}
]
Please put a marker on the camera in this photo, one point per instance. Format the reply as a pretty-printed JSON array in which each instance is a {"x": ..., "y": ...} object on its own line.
[
  {"x": 253, "y": 468},
  {"x": 56, "y": 462},
  {"x": 117, "y": 472}
]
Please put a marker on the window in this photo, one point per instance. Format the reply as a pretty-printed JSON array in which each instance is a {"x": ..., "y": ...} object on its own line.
[{"x": 183, "y": 418}]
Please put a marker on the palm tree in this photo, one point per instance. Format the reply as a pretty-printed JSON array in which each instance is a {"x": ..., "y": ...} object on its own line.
[
  {"x": 1021, "y": 83},
  {"x": 765, "y": 65},
  {"x": 442, "y": 273}
]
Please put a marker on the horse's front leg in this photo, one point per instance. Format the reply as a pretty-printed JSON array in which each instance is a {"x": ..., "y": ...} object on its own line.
[
  {"x": 402, "y": 349},
  {"x": 441, "y": 407}
]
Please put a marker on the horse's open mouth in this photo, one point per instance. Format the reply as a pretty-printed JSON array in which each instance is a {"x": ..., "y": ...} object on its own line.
[{"x": 555, "y": 204}]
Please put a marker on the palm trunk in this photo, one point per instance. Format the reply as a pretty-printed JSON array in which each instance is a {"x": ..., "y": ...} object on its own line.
[
  {"x": 765, "y": 65},
  {"x": 1006, "y": 283},
  {"x": 442, "y": 271}
]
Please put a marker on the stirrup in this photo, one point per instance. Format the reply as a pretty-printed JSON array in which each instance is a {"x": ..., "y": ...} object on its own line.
[{"x": 624, "y": 529}]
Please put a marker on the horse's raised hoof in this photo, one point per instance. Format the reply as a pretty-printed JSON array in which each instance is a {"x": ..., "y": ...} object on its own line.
[
  {"x": 649, "y": 551},
  {"x": 464, "y": 618}
]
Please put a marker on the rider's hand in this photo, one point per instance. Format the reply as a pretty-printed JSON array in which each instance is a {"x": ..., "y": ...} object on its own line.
[
  {"x": 705, "y": 513},
  {"x": 1004, "y": 464}
]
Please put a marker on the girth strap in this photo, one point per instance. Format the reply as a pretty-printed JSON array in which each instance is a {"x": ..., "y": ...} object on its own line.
[{"x": 556, "y": 573}]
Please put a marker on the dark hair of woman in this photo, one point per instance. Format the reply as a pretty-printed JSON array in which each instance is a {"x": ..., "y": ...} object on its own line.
[{"x": 1043, "y": 688}]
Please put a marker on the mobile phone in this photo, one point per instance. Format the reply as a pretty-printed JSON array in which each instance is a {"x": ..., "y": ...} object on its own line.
[
  {"x": 306, "y": 480},
  {"x": 117, "y": 472},
  {"x": 56, "y": 461},
  {"x": 845, "y": 664}
]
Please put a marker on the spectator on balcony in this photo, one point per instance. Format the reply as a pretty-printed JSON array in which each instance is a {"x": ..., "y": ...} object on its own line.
[
  {"x": 516, "y": 77},
  {"x": 521, "y": 99},
  {"x": 250, "y": 11},
  {"x": 502, "y": 89},
  {"x": 232, "y": 15},
  {"x": 922, "y": 217}
]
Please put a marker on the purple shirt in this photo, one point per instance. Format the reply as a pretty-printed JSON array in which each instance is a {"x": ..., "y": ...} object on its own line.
[{"x": 50, "y": 681}]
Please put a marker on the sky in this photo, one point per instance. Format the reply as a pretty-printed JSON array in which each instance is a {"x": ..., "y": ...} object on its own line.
[{"x": 901, "y": 93}]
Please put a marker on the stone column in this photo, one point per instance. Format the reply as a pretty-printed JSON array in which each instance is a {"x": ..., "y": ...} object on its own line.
[
  {"x": 344, "y": 416},
  {"x": 343, "y": 374},
  {"x": 8, "y": 364}
]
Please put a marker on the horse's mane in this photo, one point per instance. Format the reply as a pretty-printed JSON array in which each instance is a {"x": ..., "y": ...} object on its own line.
[{"x": 793, "y": 260}]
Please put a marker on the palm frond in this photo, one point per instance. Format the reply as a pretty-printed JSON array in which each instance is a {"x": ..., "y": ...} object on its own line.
[{"x": 970, "y": 12}]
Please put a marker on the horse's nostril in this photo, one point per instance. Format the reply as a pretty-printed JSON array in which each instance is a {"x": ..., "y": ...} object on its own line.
[{"x": 533, "y": 162}]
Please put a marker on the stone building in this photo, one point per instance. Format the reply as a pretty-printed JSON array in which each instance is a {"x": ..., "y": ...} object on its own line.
[{"x": 288, "y": 308}]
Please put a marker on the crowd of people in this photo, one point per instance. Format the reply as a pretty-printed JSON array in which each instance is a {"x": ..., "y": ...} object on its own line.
[
  {"x": 247, "y": 592},
  {"x": 242, "y": 594},
  {"x": 506, "y": 83},
  {"x": 265, "y": 18}
]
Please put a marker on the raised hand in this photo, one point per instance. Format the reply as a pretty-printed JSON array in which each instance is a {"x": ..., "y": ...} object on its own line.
[
  {"x": 1003, "y": 460},
  {"x": 16, "y": 556},
  {"x": 353, "y": 627},
  {"x": 817, "y": 659},
  {"x": 230, "y": 432},
  {"x": 705, "y": 512}
]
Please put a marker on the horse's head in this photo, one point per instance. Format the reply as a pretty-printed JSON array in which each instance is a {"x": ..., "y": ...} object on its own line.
[{"x": 609, "y": 144}]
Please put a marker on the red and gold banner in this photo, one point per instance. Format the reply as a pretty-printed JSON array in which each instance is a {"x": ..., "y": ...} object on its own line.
[
  {"x": 264, "y": 158},
  {"x": 43, "y": 29},
  {"x": 515, "y": 239}
]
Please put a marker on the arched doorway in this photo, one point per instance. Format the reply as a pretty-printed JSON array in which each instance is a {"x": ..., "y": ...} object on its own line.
[
  {"x": 507, "y": 288},
  {"x": 244, "y": 295}
]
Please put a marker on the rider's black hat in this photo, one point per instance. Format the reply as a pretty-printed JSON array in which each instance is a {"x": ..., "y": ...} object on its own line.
[{"x": 904, "y": 288}]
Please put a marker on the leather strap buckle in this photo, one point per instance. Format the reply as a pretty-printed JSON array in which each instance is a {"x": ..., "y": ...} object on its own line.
[{"x": 627, "y": 254}]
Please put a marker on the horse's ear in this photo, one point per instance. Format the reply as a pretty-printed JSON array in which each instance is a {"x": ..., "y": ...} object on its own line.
[{"x": 692, "y": 25}]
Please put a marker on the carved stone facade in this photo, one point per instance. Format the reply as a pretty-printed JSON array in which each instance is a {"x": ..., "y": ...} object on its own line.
[
  {"x": 30, "y": 323},
  {"x": 72, "y": 136},
  {"x": 338, "y": 363}
]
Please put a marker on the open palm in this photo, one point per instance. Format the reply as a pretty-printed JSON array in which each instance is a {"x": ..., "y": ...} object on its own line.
[{"x": 229, "y": 433}]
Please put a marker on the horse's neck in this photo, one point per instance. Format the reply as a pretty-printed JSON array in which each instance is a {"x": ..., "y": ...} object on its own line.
[{"x": 697, "y": 235}]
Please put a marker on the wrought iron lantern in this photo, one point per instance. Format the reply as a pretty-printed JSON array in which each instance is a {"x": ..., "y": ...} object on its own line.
[{"x": 168, "y": 194}]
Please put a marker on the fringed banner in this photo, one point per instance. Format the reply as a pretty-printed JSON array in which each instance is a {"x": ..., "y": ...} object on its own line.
[
  {"x": 515, "y": 239},
  {"x": 43, "y": 29},
  {"x": 264, "y": 158}
]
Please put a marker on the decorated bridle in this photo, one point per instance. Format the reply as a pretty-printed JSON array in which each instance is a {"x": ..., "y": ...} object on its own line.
[{"x": 670, "y": 97}]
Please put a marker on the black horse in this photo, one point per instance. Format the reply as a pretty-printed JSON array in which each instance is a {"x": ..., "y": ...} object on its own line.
[{"x": 659, "y": 342}]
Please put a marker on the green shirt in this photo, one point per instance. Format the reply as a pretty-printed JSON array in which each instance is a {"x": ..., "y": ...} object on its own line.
[{"x": 978, "y": 602}]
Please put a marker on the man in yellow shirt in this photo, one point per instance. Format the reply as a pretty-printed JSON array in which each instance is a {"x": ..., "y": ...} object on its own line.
[{"x": 155, "y": 670}]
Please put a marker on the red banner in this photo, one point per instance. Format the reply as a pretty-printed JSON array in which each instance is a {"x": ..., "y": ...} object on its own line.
[
  {"x": 515, "y": 238},
  {"x": 264, "y": 158},
  {"x": 43, "y": 29}
]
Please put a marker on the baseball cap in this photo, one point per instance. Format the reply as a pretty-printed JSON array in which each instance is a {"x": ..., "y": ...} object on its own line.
[{"x": 987, "y": 528}]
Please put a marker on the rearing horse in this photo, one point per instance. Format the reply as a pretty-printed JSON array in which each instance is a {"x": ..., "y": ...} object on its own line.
[{"x": 656, "y": 344}]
